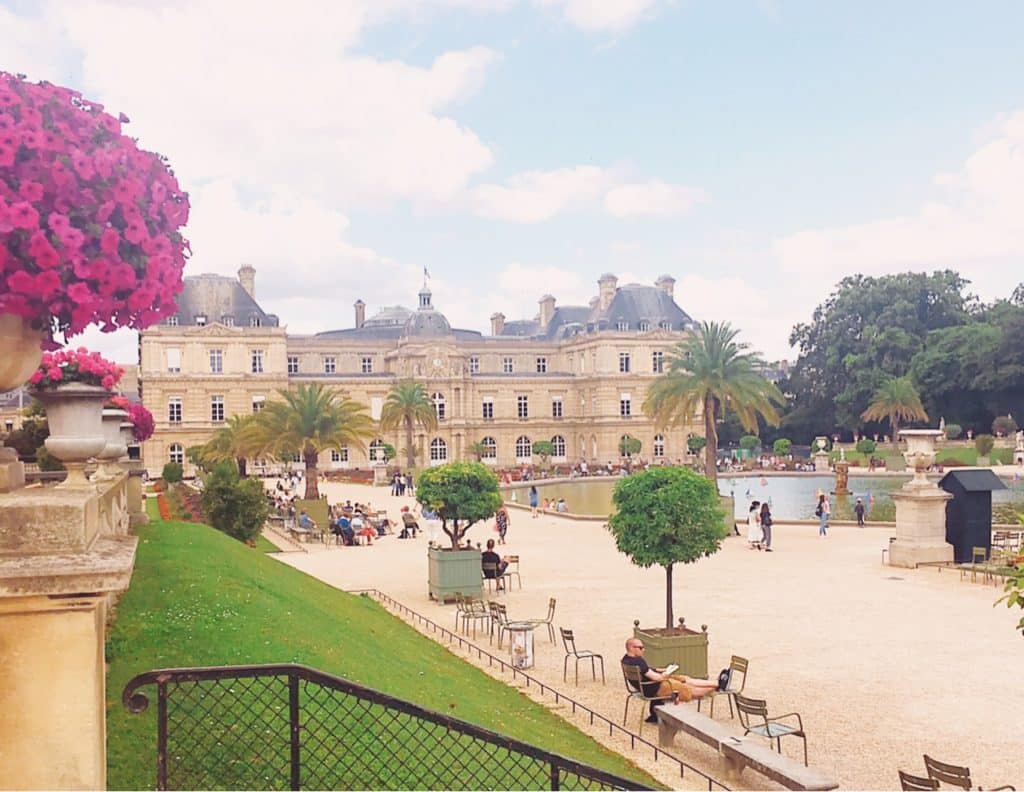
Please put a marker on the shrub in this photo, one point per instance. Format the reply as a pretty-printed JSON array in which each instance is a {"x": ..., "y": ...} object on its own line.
[
  {"x": 172, "y": 473},
  {"x": 1004, "y": 426},
  {"x": 47, "y": 461},
  {"x": 236, "y": 506},
  {"x": 983, "y": 444},
  {"x": 782, "y": 446},
  {"x": 866, "y": 446},
  {"x": 695, "y": 443},
  {"x": 953, "y": 431},
  {"x": 159, "y": 485},
  {"x": 749, "y": 442},
  {"x": 629, "y": 446}
]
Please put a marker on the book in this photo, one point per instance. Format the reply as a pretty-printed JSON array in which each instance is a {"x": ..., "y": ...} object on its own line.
[{"x": 671, "y": 668}]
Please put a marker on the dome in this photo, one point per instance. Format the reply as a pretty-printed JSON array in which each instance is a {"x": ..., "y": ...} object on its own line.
[
  {"x": 427, "y": 323},
  {"x": 389, "y": 316}
]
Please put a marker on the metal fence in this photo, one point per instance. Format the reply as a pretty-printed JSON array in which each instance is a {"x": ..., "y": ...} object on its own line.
[{"x": 293, "y": 727}]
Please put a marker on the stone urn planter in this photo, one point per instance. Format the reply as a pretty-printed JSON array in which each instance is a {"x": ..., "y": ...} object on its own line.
[
  {"x": 451, "y": 572},
  {"x": 687, "y": 648},
  {"x": 74, "y": 412},
  {"x": 20, "y": 351},
  {"x": 115, "y": 447}
]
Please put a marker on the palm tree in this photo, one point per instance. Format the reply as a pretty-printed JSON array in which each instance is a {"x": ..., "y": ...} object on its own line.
[
  {"x": 236, "y": 440},
  {"x": 407, "y": 404},
  {"x": 309, "y": 420},
  {"x": 895, "y": 400},
  {"x": 708, "y": 373}
]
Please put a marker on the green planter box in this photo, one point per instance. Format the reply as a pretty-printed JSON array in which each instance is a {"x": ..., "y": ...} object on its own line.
[
  {"x": 687, "y": 648},
  {"x": 453, "y": 571}
]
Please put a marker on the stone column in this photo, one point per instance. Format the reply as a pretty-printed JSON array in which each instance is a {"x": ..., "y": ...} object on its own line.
[
  {"x": 136, "y": 493},
  {"x": 63, "y": 552},
  {"x": 12, "y": 472}
]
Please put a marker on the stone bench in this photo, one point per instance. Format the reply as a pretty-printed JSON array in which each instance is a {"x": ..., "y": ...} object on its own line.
[{"x": 738, "y": 752}]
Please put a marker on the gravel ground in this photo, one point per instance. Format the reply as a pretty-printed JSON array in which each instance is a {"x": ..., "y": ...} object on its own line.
[{"x": 884, "y": 664}]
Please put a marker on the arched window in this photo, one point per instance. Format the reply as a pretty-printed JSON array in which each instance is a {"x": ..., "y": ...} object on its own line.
[
  {"x": 490, "y": 448},
  {"x": 558, "y": 447},
  {"x": 377, "y": 451},
  {"x": 437, "y": 400},
  {"x": 524, "y": 449},
  {"x": 438, "y": 451},
  {"x": 659, "y": 445},
  {"x": 176, "y": 453}
]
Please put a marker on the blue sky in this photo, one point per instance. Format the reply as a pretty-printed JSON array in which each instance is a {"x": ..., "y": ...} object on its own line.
[{"x": 756, "y": 151}]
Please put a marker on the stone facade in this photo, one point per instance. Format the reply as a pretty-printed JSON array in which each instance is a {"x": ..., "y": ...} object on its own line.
[{"x": 576, "y": 375}]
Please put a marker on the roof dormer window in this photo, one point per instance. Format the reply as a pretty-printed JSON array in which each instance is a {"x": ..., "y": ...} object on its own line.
[
  {"x": 200, "y": 320},
  {"x": 228, "y": 321},
  {"x": 254, "y": 321}
]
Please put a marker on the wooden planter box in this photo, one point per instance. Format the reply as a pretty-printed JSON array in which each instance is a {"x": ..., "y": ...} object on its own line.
[
  {"x": 687, "y": 648},
  {"x": 453, "y": 571}
]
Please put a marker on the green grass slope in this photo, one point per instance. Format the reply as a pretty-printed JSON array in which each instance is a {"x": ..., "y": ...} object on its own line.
[{"x": 200, "y": 598}]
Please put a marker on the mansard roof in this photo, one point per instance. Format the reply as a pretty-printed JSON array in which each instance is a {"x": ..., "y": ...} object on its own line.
[{"x": 220, "y": 297}]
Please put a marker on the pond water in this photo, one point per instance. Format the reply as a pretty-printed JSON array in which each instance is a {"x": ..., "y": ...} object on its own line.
[{"x": 790, "y": 497}]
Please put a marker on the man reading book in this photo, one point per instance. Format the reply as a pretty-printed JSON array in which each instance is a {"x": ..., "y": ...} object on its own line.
[{"x": 662, "y": 682}]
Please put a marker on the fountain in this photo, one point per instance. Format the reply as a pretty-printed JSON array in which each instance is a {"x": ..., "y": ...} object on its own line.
[{"x": 920, "y": 507}]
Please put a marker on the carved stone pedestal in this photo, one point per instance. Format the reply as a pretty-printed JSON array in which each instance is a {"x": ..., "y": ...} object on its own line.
[
  {"x": 12, "y": 472},
  {"x": 63, "y": 553},
  {"x": 920, "y": 508},
  {"x": 136, "y": 492}
]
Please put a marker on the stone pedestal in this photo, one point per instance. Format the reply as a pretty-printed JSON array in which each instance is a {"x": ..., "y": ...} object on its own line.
[
  {"x": 821, "y": 462},
  {"x": 12, "y": 472},
  {"x": 920, "y": 508},
  {"x": 380, "y": 475},
  {"x": 63, "y": 553},
  {"x": 136, "y": 492}
]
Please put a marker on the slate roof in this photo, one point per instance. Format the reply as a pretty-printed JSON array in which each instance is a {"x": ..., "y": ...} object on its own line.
[
  {"x": 217, "y": 297},
  {"x": 974, "y": 480}
]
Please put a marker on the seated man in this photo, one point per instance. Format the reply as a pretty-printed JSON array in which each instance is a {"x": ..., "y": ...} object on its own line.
[
  {"x": 409, "y": 524},
  {"x": 501, "y": 564},
  {"x": 307, "y": 525},
  {"x": 662, "y": 684},
  {"x": 359, "y": 528},
  {"x": 348, "y": 536},
  {"x": 562, "y": 507}
]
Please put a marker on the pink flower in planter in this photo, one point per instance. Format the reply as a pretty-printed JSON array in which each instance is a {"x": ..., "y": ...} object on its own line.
[{"x": 79, "y": 365}]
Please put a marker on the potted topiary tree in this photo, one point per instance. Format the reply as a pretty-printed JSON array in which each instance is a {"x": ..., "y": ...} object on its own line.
[
  {"x": 544, "y": 449},
  {"x": 668, "y": 516},
  {"x": 461, "y": 494},
  {"x": 983, "y": 444}
]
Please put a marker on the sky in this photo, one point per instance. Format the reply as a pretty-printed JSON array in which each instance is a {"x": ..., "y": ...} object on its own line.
[{"x": 756, "y": 150}]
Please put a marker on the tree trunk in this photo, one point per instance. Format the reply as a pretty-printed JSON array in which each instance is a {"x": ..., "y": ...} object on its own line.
[
  {"x": 310, "y": 458},
  {"x": 410, "y": 454},
  {"x": 894, "y": 424},
  {"x": 669, "y": 616},
  {"x": 242, "y": 470},
  {"x": 711, "y": 449}
]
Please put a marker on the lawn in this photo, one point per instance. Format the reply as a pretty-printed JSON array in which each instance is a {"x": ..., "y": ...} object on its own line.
[{"x": 200, "y": 598}]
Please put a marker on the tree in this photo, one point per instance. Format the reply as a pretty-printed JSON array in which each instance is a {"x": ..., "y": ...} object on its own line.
[
  {"x": 461, "y": 494},
  {"x": 749, "y": 442},
  {"x": 478, "y": 450},
  {"x": 896, "y": 400},
  {"x": 707, "y": 374},
  {"x": 236, "y": 506},
  {"x": 543, "y": 449},
  {"x": 307, "y": 421},
  {"x": 1015, "y": 585},
  {"x": 782, "y": 446},
  {"x": 629, "y": 446},
  {"x": 695, "y": 443},
  {"x": 1004, "y": 426},
  {"x": 866, "y": 446},
  {"x": 408, "y": 405},
  {"x": 984, "y": 444},
  {"x": 667, "y": 516},
  {"x": 237, "y": 440},
  {"x": 953, "y": 431}
]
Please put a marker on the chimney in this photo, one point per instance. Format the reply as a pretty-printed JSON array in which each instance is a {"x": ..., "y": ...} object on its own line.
[
  {"x": 547, "y": 310},
  {"x": 606, "y": 289},
  {"x": 497, "y": 324},
  {"x": 667, "y": 284},
  {"x": 360, "y": 307},
  {"x": 247, "y": 277}
]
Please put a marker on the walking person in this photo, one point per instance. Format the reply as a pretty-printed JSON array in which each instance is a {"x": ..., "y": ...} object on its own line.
[
  {"x": 754, "y": 525},
  {"x": 533, "y": 501},
  {"x": 501, "y": 524},
  {"x": 822, "y": 512},
  {"x": 858, "y": 509},
  {"x": 766, "y": 527}
]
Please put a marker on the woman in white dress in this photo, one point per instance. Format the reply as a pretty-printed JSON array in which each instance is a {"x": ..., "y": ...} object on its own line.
[{"x": 754, "y": 525}]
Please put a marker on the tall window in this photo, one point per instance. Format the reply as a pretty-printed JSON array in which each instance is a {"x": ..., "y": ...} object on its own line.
[
  {"x": 506, "y": 365},
  {"x": 474, "y": 364},
  {"x": 625, "y": 406},
  {"x": 438, "y": 401},
  {"x": 339, "y": 455},
  {"x": 490, "y": 448},
  {"x": 217, "y": 409},
  {"x": 176, "y": 453},
  {"x": 173, "y": 361},
  {"x": 258, "y": 402},
  {"x": 659, "y": 445},
  {"x": 330, "y": 364},
  {"x": 257, "y": 361},
  {"x": 367, "y": 365},
  {"x": 622, "y": 326},
  {"x": 487, "y": 407},
  {"x": 558, "y": 447},
  {"x": 645, "y": 327},
  {"x": 524, "y": 449},
  {"x": 377, "y": 450},
  {"x": 254, "y": 321},
  {"x": 523, "y": 406},
  {"x": 542, "y": 365},
  {"x": 293, "y": 364},
  {"x": 438, "y": 450},
  {"x": 172, "y": 321},
  {"x": 623, "y": 362},
  {"x": 556, "y": 407},
  {"x": 657, "y": 362},
  {"x": 216, "y": 361},
  {"x": 227, "y": 321},
  {"x": 174, "y": 409}
]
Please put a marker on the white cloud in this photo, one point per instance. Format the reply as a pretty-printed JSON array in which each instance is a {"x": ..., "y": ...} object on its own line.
[
  {"x": 972, "y": 224},
  {"x": 536, "y": 196},
  {"x": 603, "y": 16},
  {"x": 653, "y": 198}
]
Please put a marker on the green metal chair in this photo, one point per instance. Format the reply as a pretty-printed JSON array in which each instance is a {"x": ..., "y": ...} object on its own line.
[
  {"x": 953, "y": 775},
  {"x": 738, "y": 665},
  {"x": 916, "y": 783},
  {"x": 634, "y": 690},
  {"x": 754, "y": 719},
  {"x": 569, "y": 642}
]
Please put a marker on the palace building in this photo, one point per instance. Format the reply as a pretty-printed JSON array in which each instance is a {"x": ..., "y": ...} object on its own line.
[{"x": 576, "y": 375}]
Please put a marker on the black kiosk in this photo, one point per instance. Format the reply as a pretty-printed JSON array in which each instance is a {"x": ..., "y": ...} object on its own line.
[{"x": 969, "y": 514}]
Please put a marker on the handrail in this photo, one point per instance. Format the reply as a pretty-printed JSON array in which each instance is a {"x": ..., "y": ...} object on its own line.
[
  {"x": 137, "y": 702},
  {"x": 481, "y": 653}
]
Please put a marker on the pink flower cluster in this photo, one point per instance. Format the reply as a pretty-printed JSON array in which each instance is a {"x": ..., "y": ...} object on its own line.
[
  {"x": 142, "y": 420},
  {"x": 75, "y": 365},
  {"x": 89, "y": 223}
]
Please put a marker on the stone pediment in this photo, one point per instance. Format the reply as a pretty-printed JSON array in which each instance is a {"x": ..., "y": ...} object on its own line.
[
  {"x": 430, "y": 361},
  {"x": 215, "y": 329}
]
